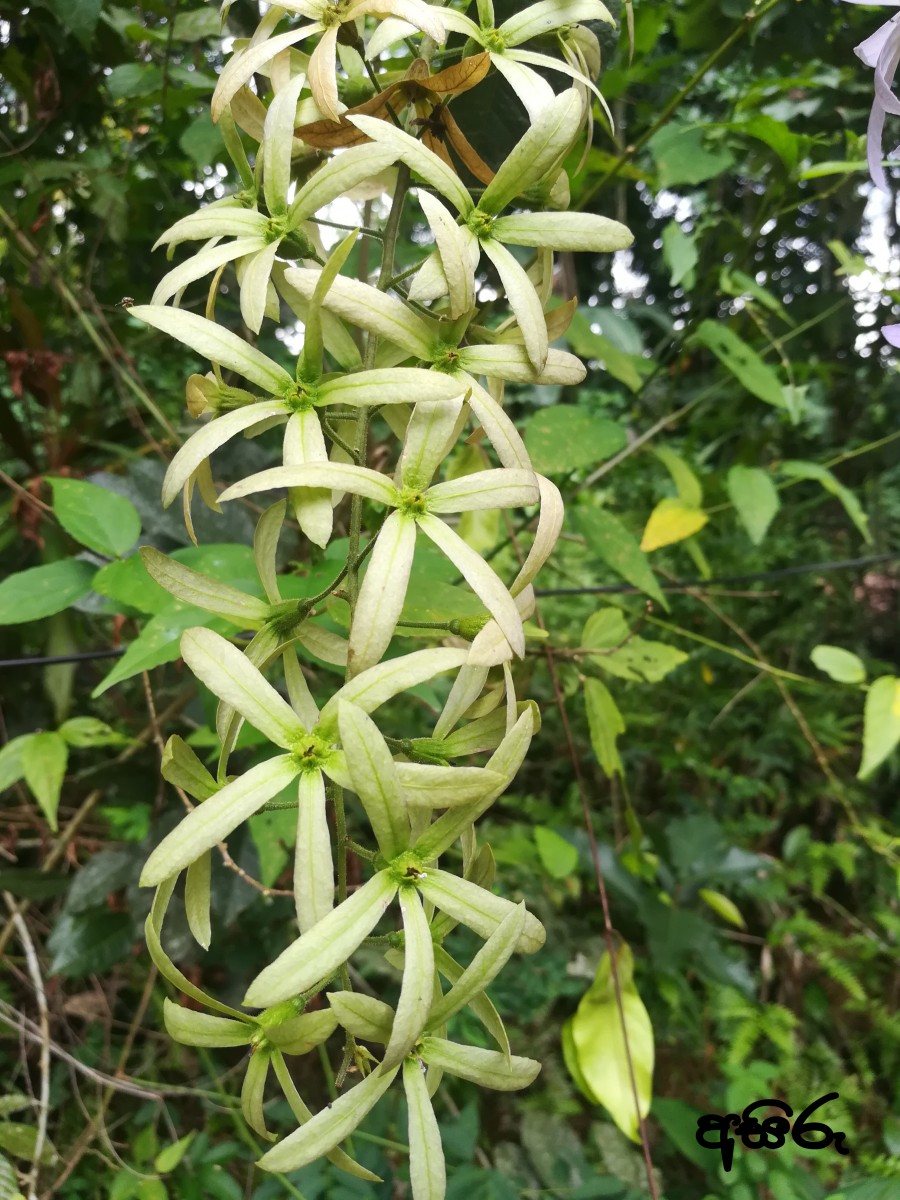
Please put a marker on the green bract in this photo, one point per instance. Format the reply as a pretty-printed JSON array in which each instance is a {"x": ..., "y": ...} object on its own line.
[{"x": 436, "y": 375}]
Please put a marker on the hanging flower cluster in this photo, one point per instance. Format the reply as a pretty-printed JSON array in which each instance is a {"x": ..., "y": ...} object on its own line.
[{"x": 420, "y": 354}]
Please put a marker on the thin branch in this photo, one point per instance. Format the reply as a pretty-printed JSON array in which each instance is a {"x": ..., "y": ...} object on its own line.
[{"x": 34, "y": 970}]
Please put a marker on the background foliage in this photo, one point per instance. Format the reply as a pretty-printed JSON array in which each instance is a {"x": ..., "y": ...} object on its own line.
[{"x": 752, "y": 874}]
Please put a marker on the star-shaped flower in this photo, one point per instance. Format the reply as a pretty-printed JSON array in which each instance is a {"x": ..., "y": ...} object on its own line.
[
  {"x": 309, "y": 740},
  {"x": 415, "y": 336},
  {"x": 326, "y": 17},
  {"x": 483, "y": 227},
  {"x": 293, "y": 401},
  {"x": 257, "y": 237},
  {"x": 417, "y": 504},
  {"x": 504, "y": 43}
]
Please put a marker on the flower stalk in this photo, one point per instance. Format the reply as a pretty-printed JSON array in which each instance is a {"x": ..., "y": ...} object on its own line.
[{"x": 432, "y": 363}]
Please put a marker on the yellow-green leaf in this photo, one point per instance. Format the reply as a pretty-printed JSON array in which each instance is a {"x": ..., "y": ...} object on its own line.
[
  {"x": 881, "y": 726},
  {"x": 597, "y": 1045},
  {"x": 723, "y": 906},
  {"x": 671, "y": 521}
]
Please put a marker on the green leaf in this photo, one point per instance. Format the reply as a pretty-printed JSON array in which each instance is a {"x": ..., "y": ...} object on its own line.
[
  {"x": 563, "y": 438},
  {"x": 742, "y": 361},
  {"x": 881, "y": 723},
  {"x": 755, "y": 498},
  {"x": 687, "y": 485},
  {"x": 21, "y": 1142},
  {"x": 607, "y": 537},
  {"x": 132, "y": 80},
  {"x": 840, "y": 665},
  {"x": 11, "y": 769},
  {"x": 158, "y": 642},
  {"x": 624, "y": 654},
  {"x": 605, "y": 723},
  {"x": 797, "y": 469},
  {"x": 43, "y": 591},
  {"x": 192, "y": 26},
  {"x": 679, "y": 254},
  {"x": 671, "y": 521},
  {"x": 83, "y": 944},
  {"x": 9, "y": 1189},
  {"x": 682, "y": 157},
  {"x": 202, "y": 140},
  {"x": 170, "y": 1156},
  {"x": 558, "y": 856},
  {"x": 78, "y": 17},
  {"x": 328, "y": 1127},
  {"x": 626, "y": 368},
  {"x": 723, "y": 906},
  {"x": 737, "y": 283},
  {"x": 87, "y": 732},
  {"x": 599, "y": 1046},
  {"x": 14, "y": 1102},
  {"x": 30, "y": 884},
  {"x": 44, "y": 759},
  {"x": 96, "y": 517}
]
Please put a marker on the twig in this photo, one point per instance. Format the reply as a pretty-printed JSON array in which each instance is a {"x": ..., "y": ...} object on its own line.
[{"x": 34, "y": 970}]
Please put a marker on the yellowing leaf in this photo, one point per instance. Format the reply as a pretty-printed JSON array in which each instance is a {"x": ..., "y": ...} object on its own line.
[
  {"x": 881, "y": 726},
  {"x": 596, "y": 1047},
  {"x": 671, "y": 521},
  {"x": 723, "y": 906}
]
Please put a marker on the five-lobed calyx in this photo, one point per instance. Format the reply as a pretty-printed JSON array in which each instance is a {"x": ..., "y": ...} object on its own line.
[{"x": 434, "y": 365}]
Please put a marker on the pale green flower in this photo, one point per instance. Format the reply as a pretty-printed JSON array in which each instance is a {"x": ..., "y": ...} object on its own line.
[
  {"x": 325, "y": 17},
  {"x": 292, "y": 402},
  {"x": 483, "y": 227},
  {"x": 515, "y": 64},
  {"x": 421, "y": 338},
  {"x": 256, "y": 237},
  {"x": 418, "y": 505}
]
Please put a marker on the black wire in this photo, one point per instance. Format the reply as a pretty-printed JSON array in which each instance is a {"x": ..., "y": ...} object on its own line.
[
  {"x": 51, "y": 660},
  {"x": 844, "y": 564},
  {"x": 757, "y": 577}
]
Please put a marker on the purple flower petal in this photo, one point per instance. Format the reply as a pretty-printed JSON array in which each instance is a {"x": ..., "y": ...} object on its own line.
[
  {"x": 891, "y": 333},
  {"x": 874, "y": 151}
]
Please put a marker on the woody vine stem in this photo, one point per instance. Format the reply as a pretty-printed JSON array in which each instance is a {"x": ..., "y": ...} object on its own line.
[{"x": 434, "y": 367}]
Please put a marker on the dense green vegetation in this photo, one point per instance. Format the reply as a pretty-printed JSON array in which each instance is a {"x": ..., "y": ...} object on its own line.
[{"x": 701, "y": 701}]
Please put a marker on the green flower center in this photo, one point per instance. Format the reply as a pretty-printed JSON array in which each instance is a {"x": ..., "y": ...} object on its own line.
[
  {"x": 276, "y": 228},
  {"x": 407, "y": 869},
  {"x": 446, "y": 359},
  {"x": 310, "y": 753},
  {"x": 493, "y": 39},
  {"x": 480, "y": 223},
  {"x": 334, "y": 14},
  {"x": 412, "y": 502},
  {"x": 301, "y": 397}
]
